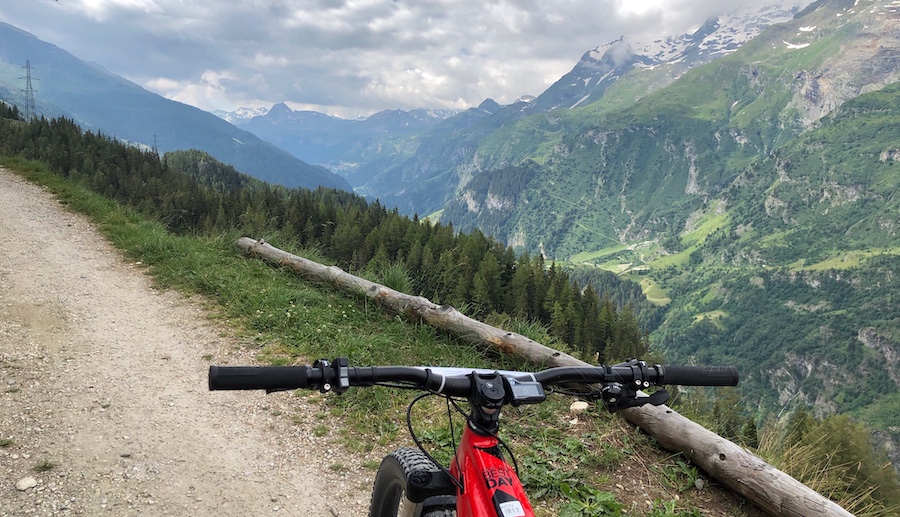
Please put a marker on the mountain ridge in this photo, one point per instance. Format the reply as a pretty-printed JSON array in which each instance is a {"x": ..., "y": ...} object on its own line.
[
  {"x": 602, "y": 66},
  {"x": 746, "y": 110},
  {"x": 336, "y": 143},
  {"x": 101, "y": 101},
  {"x": 413, "y": 176}
]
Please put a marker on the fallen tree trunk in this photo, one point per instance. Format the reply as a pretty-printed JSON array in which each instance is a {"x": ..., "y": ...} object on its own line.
[{"x": 743, "y": 472}]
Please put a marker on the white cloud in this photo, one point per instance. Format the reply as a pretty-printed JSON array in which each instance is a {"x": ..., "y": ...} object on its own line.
[
  {"x": 163, "y": 84},
  {"x": 637, "y": 7},
  {"x": 344, "y": 56},
  {"x": 103, "y": 10}
]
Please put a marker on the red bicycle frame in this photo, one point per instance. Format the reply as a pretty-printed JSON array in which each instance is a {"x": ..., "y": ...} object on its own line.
[
  {"x": 484, "y": 483},
  {"x": 491, "y": 486}
]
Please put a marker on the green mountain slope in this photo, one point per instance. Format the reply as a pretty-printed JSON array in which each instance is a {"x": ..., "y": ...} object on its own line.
[
  {"x": 103, "y": 102},
  {"x": 831, "y": 191},
  {"x": 757, "y": 195},
  {"x": 634, "y": 173},
  {"x": 797, "y": 282}
]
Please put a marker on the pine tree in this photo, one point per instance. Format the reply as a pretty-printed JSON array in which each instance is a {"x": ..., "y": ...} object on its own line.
[
  {"x": 539, "y": 280},
  {"x": 486, "y": 284},
  {"x": 522, "y": 288},
  {"x": 628, "y": 341},
  {"x": 606, "y": 324},
  {"x": 590, "y": 325}
]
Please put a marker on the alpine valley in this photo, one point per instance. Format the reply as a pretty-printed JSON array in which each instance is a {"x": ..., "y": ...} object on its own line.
[{"x": 746, "y": 175}]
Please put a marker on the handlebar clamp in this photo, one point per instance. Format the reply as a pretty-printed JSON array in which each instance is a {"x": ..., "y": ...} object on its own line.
[
  {"x": 640, "y": 373},
  {"x": 617, "y": 396},
  {"x": 337, "y": 372}
]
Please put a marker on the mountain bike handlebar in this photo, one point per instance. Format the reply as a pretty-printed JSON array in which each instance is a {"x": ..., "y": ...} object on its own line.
[{"x": 456, "y": 382}]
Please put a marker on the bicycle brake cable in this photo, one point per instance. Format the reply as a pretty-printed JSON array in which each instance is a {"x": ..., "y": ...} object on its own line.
[
  {"x": 509, "y": 451},
  {"x": 418, "y": 443},
  {"x": 397, "y": 385},
  {"x": 591, "y": 395}
]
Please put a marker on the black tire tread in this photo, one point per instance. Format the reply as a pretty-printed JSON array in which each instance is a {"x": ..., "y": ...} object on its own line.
[
  {"x": 399, "y": 464},
  {"x": 412, "y": 459}
]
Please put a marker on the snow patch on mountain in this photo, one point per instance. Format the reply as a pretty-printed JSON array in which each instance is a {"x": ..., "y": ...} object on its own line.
[
  {"x": 715, "y": 38},
  {"x": 602, "y": 66},
  {"x": 240, "y": 115},
  {"x": 795, "y": 46}
]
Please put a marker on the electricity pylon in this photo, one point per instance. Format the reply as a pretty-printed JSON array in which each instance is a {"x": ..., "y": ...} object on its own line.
[{"x": 30, "y": 111}]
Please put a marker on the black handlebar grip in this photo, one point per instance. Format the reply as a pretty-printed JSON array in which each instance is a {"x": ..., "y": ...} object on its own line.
[
  {"x": 269, "y": 378},
  {"x": 699, "y": 375}
]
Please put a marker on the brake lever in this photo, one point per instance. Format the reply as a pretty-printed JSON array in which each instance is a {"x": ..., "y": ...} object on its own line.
[{"x": 616, "y": 397}]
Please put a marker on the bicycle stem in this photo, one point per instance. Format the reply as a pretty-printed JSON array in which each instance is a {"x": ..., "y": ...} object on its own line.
[{"x": 488, "y": 396}]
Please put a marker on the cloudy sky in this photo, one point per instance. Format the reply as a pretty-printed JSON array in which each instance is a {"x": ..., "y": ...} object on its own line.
[{"x": 345, "y": 57}]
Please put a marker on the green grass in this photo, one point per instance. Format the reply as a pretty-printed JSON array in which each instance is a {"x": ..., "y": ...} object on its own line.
[
  {"x": 288, "y": 319},
  {"x": 570, "y": 461},
  {"x": 654, "y": 292},
  {"x": 712, "y": 316},
  {"x": 44, "y": 466},
  {"x": 844, "y": 260},
  {"x": 677, "y": 260},
  {"x": 704, "y": 226},
  {"x": 592, "y": 256}
]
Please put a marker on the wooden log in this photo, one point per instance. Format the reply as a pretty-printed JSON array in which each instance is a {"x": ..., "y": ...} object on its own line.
[
  {"x": 735, "y": 467},
  {"x": 743, "y": 472},
  {"x": 414, "y": 307}
]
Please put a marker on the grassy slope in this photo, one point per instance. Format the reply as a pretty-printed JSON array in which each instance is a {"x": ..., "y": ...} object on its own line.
[{"x": 287, "y": 319}]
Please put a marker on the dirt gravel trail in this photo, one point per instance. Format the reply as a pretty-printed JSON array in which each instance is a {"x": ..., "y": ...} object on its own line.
[{"x": 103, "y": 378}]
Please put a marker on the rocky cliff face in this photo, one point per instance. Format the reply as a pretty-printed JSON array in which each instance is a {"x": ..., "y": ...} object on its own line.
[{"x": 869, "y": 57}]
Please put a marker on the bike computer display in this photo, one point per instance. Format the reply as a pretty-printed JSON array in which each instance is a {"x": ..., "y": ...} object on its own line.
[{"x": 526, "y": 392}]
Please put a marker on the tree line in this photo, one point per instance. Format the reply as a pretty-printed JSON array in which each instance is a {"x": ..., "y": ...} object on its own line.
[{"x": 191, "y": 193}]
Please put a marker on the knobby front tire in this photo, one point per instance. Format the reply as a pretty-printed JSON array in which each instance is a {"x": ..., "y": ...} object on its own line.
[{"x": 389, "y": 492}]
